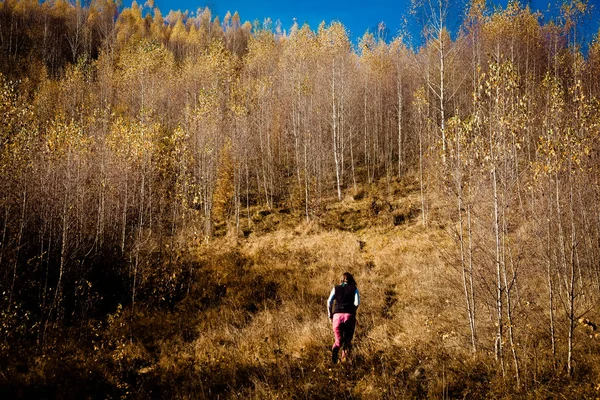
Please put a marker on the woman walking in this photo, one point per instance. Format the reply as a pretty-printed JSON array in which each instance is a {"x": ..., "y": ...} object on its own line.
[{"x": 343, "y": 315}]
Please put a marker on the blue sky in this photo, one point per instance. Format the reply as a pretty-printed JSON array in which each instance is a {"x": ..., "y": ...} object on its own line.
[{"x": 357, "y": 16}]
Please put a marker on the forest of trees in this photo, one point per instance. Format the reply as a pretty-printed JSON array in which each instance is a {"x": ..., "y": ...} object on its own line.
[{"x": 125, "y": 136}]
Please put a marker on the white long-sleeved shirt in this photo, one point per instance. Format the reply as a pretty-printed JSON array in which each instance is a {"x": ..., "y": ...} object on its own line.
[{"x": 332, "y": 296}]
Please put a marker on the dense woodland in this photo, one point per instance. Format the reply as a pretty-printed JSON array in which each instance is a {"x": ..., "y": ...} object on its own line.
[{"x": 129, "y": 140}]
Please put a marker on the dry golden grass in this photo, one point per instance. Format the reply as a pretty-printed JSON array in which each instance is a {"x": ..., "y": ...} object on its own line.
[{"x": 276, "y": 345}]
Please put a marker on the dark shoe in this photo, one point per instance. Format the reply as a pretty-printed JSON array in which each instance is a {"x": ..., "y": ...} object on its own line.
[{"x": 334, "y": 354}]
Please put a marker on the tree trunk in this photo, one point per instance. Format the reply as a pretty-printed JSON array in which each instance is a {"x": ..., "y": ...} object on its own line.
[
  {"x": 498, "y": 262},
  {"x": 400, "y": 111},
  {"x": 335, "y": 127},
  {"x": 18, "y": 248}
]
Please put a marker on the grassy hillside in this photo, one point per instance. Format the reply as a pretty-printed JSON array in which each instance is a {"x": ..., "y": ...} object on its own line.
[{"x": 244, "y": 317}]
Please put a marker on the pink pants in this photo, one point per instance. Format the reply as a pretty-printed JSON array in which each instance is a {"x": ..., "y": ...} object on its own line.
[{"x": 343, "y": 329}]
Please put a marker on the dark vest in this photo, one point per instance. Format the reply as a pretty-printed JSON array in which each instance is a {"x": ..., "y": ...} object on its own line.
[{"x": 344, "y": 299}]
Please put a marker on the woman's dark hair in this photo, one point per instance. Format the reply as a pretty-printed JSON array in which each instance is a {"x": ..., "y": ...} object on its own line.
[{"x": 348, "y": 278}]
